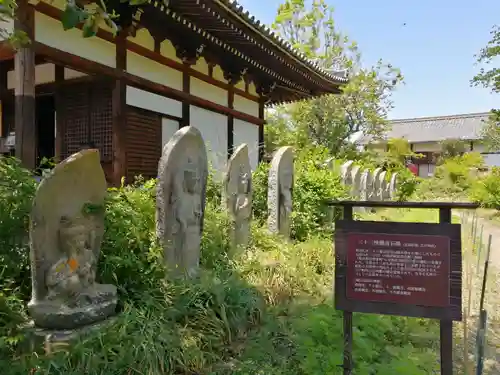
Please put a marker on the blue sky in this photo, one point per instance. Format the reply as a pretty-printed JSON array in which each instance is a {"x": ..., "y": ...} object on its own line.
[{"x": 434, "y": 50}]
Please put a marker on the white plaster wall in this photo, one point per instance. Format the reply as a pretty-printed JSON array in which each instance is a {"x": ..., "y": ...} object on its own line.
[
  {"x": 168, "y": 129},
  {"x": 70, "y": 74},
  {"x": 492, "y": 160},
  {"x": 213, "y": 127},
  {"x": 244, "y": 132},
  {"x": 245, "y": 105},
  {"x": 153, "y": 102},
  {"x": 427, "y": 147},
  {"x": 208, "y": 92},
  {"x": 426, "y": 170},
  {"x": 8, "y": 27},
  {"x": 44, "y": 73},
  {"x": 478, "y": 147},
  {"x": 153, "y": 71},
  {"x": 50, "y": 32}
]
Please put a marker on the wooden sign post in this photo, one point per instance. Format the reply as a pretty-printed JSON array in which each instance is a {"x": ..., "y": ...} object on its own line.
[{"x": 405, "y": 269}]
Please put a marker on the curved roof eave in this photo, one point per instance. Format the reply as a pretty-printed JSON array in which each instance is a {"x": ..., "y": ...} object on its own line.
[{"x": 285, "y": 47}]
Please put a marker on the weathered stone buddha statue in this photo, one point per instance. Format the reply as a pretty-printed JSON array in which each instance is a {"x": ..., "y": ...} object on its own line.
[
  {"x": 237, "y": 195},
  {"x": 180, "y": 201},
  {"x": 65, "y": 246}
]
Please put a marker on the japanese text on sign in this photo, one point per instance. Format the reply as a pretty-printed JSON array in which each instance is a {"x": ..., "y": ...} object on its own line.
[{"x": 408, "y": 269}]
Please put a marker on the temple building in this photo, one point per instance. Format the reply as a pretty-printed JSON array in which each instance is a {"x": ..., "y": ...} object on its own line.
[{"x": 205, "y": 63}]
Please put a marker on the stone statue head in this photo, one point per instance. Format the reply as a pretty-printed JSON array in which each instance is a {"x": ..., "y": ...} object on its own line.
[
  {"x": 286, "y": 180},
  {"x": 73, "y": 235},
  {"x": 191, "y": 178},
  {"x": 244, "y": 182}
]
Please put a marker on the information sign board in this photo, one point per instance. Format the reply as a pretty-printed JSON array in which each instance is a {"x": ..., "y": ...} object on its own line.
[{"x": 406, "y": 269}]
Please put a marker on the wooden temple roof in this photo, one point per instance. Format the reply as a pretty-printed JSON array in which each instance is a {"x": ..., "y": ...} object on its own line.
[{"x": 223, "y": 32}]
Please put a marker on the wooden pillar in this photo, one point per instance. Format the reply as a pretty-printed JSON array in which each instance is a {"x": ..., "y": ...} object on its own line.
[
  {"x": 3, "y": 94},
  {"x": 446, "y": 325},
  {"x": 24, "y": 67},
  {"x": 186, "y": 87},
  {"x": 60, "y": 113},
  {"x": 119, "y": 110},
  {"x": 230, "y": 122},
  {"x": 261, "y": 130}
]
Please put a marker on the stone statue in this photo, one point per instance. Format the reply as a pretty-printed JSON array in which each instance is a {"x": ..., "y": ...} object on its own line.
[
  {"x": 366, "y": 185},
  {"x": 180, "y": 200},
  {"x": 66, "y": 230},
  {"x": 376, "y": 185},
  {"x": 345, "y": 172},
  {"x": 355, "y": 181},
  {"x": 382, "y": 185},
  {"x": 393, "y": 186},
  {"x": 237, "y": 195},
  {"x": 280, "y": 187}
]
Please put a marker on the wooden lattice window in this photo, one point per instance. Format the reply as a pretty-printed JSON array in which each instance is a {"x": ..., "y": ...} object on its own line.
[
  {"x": 101, "y": 120},
  {"x": 75, "y": 108},
  {"x": 143, "y": 143},
  {"x": 88, "y": 117}
]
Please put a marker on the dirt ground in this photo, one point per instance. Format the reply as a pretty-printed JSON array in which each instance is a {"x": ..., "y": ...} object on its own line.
[{"x": 472, "y": 258}]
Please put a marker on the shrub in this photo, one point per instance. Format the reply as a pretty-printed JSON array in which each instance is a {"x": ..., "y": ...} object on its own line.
[
  {"x": 314, "y": 185},
  {"x": 17, "y": 189},
  {"x": 457, "y": 170},
  {"x": 266, "y": 310},
  {"x": 487, "y": 190},
  {"x": 407, "y": 184}
]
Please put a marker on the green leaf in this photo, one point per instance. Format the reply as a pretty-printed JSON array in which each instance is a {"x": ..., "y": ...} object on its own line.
[
  {"x": 90, "y": 26},
  {"x": 137, "y": 2},
  {"x": 72, "y": 16},
  {"x": 110, "y": 23}
]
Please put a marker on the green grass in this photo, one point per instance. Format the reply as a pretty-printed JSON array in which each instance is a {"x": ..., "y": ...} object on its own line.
[{"x": 266, "y": 311}]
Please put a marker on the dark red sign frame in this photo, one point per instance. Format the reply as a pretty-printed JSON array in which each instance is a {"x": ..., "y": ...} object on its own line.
[{"x": 432, "y": 259}]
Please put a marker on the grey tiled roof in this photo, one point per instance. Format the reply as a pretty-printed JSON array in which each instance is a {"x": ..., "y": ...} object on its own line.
[
  {"x": 337, "y": 77},
  {"x": 436, "y": 129}
]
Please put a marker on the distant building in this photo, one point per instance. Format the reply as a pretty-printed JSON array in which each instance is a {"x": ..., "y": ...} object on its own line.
[{"x": 425, "y": 135}]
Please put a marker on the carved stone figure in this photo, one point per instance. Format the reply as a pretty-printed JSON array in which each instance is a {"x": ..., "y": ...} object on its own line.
[
  {"x": 180, "y": 200},
  {"x": 66, "y": 230},
  {"x": 345, "y": 172},
  {"x": 382, "y": 186},
  {"x": 355, "y": 181},
  {"x": 366, "y": 185},
  {"x": 329, "y": 163},
  {"x": 376, "y": 196},
  {"x": 393, "y": 186},
  {"x": 280, "y": 187},
  {"x": 237, "y": 195}
]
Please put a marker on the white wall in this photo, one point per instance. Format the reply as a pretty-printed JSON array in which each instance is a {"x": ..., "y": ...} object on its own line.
[
  {"x": 491, "y": 160},
  {"x": 153, "y": 102},
  {"x": 44, "y": 73},
  {"x": 153, "y": 71},
  {"x": 244, "y": 132},
  {"x": 426, "y": 147},
  {"x": 50, "y": 32},
  {"x": 208, "y": 92},
  {"x": 245, "y": 105},
  {"x": 213, "y": 127},
  {"x": 168, "y": 129},
  {"x": 8, "y": 27},
  {"x": 426, "y": 170}
]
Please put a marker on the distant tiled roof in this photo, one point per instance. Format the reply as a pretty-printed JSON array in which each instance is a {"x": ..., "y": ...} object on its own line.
[{"x": 436, "y": 129}]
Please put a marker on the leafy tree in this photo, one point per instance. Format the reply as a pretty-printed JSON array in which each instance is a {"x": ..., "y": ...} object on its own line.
[
  {"x": 393, "y": 159},
  {"x": 490, "y": 78},
  {"x": 330, "y": 120},
  {"x": 452, "y": 147},
  {"x": 91, "y": 16}
]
